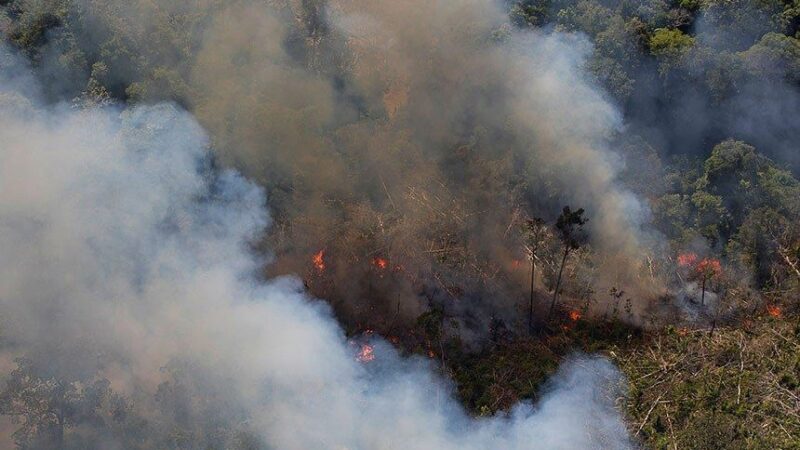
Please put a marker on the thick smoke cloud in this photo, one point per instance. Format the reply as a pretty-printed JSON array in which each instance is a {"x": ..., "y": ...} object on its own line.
[
  {"x": 422, "y": 133},
  {"x": 126, "y": 256}
]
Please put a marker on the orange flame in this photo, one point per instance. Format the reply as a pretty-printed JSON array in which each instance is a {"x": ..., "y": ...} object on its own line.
[
  {"x": 709, "y": 267},
  {"x": 574, "y": 315},
  {"x": 706, "y": 267},
  {"x": 380, "y": 263},
  {"x": 687, "y": 259},
  {"x": 318, "y": 260},
  {"x": 516, "y": 264},
  {"x": 774, "y": 311},
  {"x": 366, "y": 354}
]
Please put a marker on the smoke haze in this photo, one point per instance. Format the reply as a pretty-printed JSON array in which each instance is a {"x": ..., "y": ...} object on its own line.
[
  {"x": 127, "y": 257},
  {"x": 422, "y": 133}
]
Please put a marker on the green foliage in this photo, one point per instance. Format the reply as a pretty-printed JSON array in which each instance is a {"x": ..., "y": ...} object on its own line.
[
  {"x": 495, "y": 380},
  {"x": 738, "y": 200},
  {"x": 672, "y": 212},
  {"x": 586, "y": 16},
  {"x": 732, "y": 160},
  {"x": 530, "y": 12},
  {"x": 775, "y": 56},
  {"x": 746, "y": 180},
  {"x": 34, "y": 19},
  {"x": 724, "y": 71},
  {"x": 670, "y": 42},
  {"x": 691, "y": 5},
  {"x": 711, "y": 216},
  {"x": 753, "y": 245},
  {"x": 739, "y": 23}
]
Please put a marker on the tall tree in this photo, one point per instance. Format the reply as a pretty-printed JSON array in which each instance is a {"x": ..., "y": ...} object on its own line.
[
  {"x": 570, "y": 229},
  {"x": 707, "y": 269},
  {"x": 536, "y": 232}
]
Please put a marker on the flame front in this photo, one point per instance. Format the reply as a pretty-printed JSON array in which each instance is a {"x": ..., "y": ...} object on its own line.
[
  {"x": 709, "y": 266},
  {"x": 774, "y": 311},
  {"x": 574, "y": 315},
  {"x": 687, "y": 259},
  {"x": 380, "y": 263},
  {"x": 319, "y": 260},
  {"x": 706, "y": 267},
  {"x": 366, "y": 354}
]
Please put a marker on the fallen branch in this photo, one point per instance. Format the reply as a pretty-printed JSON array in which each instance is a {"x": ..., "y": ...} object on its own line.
[
  {"x": 647, "y": 416},
  {"x": 784, "y": 252}
]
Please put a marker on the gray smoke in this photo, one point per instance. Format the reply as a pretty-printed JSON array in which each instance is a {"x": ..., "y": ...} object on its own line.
[
  {"x": 422, "y": 132},
  {"x": 738, "y": 81},
  {"x": 125, "y": 257}
]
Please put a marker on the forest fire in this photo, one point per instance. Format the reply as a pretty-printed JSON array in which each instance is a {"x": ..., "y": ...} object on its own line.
[
  {"x": 319, "y": 260},
  {"x": 705, "y": 267},
  {"x": 256, "y": 198},
  {"x": 380, "y": 263},
  {"x": 774, "y": 311},
  {"x": 703, "y": 270},
  {"x": 709, "y": 267},
  {"x": 687, "y": 259},
  {"x": 366, "y": 354}
]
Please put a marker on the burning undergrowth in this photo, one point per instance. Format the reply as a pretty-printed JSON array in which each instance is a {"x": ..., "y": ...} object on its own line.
[
  {"x": 133, "y": 314},
  {"x": 467, "y": 135},
  {"x": 402, "y": 146}
]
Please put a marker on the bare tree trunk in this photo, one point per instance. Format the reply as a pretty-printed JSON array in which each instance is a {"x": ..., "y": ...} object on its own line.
[
  {"x": 703, "y": 292},
  {"x": 558, "y": 282},
  {"x": 530, "y": 304},
  {"x": 713, "y": 324},
  {"x": 784, "y": 252}
]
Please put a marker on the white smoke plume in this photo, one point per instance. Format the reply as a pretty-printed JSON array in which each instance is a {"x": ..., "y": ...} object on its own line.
[{"x": 125, "y": 253}]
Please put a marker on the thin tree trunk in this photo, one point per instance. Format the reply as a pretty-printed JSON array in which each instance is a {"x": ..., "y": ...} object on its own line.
[
  {"x": 714, "y": 318},
  {"x": 703, "y": 292},
  {"x": 558, "y": 282},
  {"x": 530, "y": 304}
]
